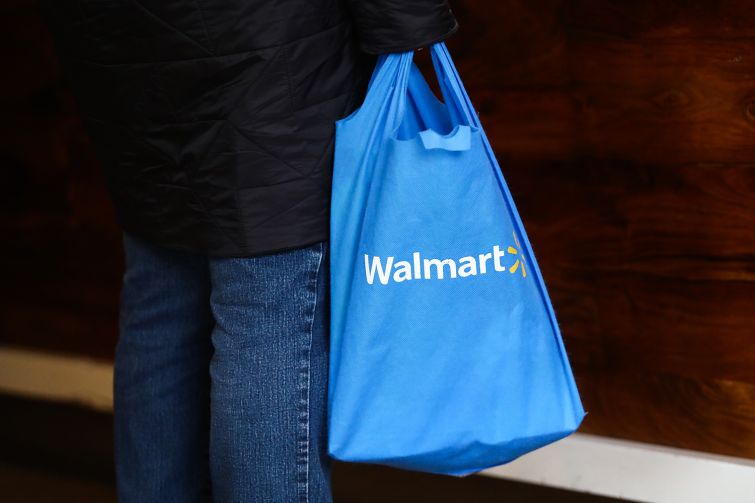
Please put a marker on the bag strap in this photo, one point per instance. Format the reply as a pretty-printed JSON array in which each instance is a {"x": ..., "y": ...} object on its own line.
[
  {"x": 388, "y": 89},
  {"x": 381, "y": 89},
  {"x": 454, "y": 94}
]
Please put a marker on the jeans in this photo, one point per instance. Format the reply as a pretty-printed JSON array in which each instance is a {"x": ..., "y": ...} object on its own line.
[{"x": 220, "y": 383}]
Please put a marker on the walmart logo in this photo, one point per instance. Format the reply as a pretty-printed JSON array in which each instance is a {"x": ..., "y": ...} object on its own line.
[{"x": 499, "y": 260}]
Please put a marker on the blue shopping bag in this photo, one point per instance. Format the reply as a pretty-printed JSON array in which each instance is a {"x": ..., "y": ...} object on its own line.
[{"x": 445, "y": 353}]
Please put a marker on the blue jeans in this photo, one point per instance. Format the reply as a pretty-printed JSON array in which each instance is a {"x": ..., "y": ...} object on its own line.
[{"x": 221, "y": 377}]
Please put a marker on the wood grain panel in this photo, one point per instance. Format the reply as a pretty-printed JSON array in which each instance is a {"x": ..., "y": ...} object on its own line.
[
  {"x": 625, "y": 132},
  {"x": 569, "y": 78},
  {"x": 670, "y": 102},
  {"x": 650, "y": 268},
  {"x": 712, "y": 415},
  {"x": 61, "y": 260},
  {"x": 720, "y": 19}
]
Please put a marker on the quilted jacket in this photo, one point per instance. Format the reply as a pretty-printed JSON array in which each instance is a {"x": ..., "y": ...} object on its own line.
[{"x": 214, "y": 119}]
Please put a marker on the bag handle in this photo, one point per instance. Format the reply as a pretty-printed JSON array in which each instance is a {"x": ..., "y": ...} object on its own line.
[
  {"x": 381, "y": 89},
  {"x": 454, "y": 95},
  {"x": 461, "y": 115},
  {"x": 388, "y": 94}
]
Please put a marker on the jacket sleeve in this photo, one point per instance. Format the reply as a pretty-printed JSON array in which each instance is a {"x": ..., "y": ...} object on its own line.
[{"x": 384, "y": 26}]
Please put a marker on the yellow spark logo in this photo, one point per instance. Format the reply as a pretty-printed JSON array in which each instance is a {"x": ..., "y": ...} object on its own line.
[{"x": 518, "y": 262}]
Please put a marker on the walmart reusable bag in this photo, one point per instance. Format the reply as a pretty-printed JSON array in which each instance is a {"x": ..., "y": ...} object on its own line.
[{"x": 445, "y": 353}]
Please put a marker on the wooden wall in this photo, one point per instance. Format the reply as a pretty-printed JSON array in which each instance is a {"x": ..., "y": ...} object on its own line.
[
  {"x": 60, "y": 259},
  {"x": 626, "y": 132}
]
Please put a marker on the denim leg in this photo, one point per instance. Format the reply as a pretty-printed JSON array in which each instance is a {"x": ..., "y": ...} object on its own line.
[
  {"x": 161, "y": 387},
  {"x": 269, "y": 378}
]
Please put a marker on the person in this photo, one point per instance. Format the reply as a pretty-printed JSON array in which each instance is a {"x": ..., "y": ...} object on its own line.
[{"x": 214, "y": 123}]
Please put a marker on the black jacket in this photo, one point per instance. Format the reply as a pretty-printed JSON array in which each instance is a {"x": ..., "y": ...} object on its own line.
[{"x": 214, "y": 119}]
